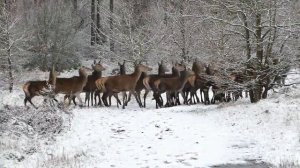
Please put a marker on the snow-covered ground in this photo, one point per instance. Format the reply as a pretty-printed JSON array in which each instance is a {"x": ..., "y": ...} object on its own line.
[{"x": 182, "y": 136}]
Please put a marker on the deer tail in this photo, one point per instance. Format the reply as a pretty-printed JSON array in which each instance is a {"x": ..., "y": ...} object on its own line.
[{"x": 25, "y": 89}]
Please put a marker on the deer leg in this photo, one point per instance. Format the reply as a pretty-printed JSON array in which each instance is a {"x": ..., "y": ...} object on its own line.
[
  {"x": 197, "y": 98},
  {"x": 181, "y": 95},
  {"x": 177, "y": 100},
  {"x": 128, "y": 98},
  {"x": 95, "y": 97},
  {"x": 104, "y": 98},
  {"x": 25, "y": 100},
  {"x": 137, "y": 98},
  {"x": 117, "y": 98},
  {"x": 87, "y": 94},
  {"x": 109, "y": 99},
  {"x": 99, "y": 97},
  {"x": 201, "y": 91},
  {"x": 125, "y": 100},
  {"x": 29, "y": 99},
  {"x": 73, "y": 99},
  {"x": 145, "y": 96},
  {"x": 213, "y": 98},
  {"x": 92, "y": 98},
  {"x": 206, "y": 97},
  {"x": 79, "y": 98},
  {"x": 168, "y": 96}
]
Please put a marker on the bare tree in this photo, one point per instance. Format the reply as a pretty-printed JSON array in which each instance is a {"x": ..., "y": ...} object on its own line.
[
  {"x": 93, "y": 27},
  {"x": 111, "y": 25},
  {"x": 8, "y": 38},
  {"x": 265, "y": 35}
]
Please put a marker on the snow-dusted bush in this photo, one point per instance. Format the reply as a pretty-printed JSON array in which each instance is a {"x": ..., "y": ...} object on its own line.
[
  {"x": 22, "y": 129},
  {"x": 288, "y": 165}
]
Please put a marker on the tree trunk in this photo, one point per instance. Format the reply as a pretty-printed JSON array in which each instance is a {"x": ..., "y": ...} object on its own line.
[
  {"x": 100, "y": 37},
  {"x": 259, "y": 39},
  {"x": 182, "y": 31},
  {"x": 75, "y": 5},
  {"x": 7, "y": 18},
  {"x": 10, "y": 73},
  {"x": 111, "y": 25},
  {"x": 247, "y": 36},
  {"x": 165, "y": 12},
  {"x": 93, "y": 37}
]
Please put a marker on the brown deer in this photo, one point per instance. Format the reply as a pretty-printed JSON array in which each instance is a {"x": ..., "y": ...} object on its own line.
[
  {"x": 121, "y": 71},
  {"x": 173, "y": 85},
  {"x": 162, "y": 69},
  {"x": 149, "y": 81},
  {"x": 200, "y": 83},
  {"x": 122, "y": 83},
  {"x": 72, "y": 86},
  {"x": 90, "y": 87},
  {"x": 36, "y": 88}
]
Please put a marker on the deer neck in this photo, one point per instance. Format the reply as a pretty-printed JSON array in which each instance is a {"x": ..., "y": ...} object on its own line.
[
  {"x": 83, "y": 75},
  {"x": 161, "y": 72},
  {"x": 122, "y": 71},
  {"x": 175, "y": 72},
  {"x": 136, "y": 74},
  {"x": 97, "y": 73}
]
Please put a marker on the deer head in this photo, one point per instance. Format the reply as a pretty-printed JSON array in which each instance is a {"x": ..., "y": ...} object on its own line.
[
  {"x": 142, "y": 68},
  {"x": 98, "y": 67},
  {"x": 122, "y": 68},
  {"x": 162, "y": 68}
]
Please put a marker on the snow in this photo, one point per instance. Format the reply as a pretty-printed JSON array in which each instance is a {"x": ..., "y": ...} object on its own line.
[{"x": 182, "y": 136}]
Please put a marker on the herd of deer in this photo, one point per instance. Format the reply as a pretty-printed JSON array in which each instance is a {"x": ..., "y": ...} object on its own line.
[{"x": 181, "y": 81}]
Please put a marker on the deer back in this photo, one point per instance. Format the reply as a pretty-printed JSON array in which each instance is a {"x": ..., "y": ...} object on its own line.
[
  {"x": 34, "y": 88},
  {"x": 72, "y": 85},
  {"x": 126, "y": 82}
]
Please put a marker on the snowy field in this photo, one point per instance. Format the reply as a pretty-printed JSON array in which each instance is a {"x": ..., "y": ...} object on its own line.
[{"x": 185, "y": 136}]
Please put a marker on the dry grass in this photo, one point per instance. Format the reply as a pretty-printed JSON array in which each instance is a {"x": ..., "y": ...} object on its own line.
[{"x": 62, "y": 160}]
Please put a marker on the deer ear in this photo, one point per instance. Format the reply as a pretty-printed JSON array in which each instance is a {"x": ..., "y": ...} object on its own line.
[
  {"x": 100, "y": 61},
  {"x": 124, "y": 62},
  {"x": 95, "y": 62},
  {"x": 119, "y": 64}
]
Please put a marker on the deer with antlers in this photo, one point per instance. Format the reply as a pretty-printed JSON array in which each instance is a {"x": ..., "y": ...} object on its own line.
[{"x": 122, "y": 83}]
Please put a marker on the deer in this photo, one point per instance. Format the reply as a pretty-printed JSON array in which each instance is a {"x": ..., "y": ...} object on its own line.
[
  {"x": 121, "y": 71},
  {"x": 90, "y": 87},
  {"x": 173, "y": 85},
  {"x": 72, "y": 86},
  {"x": 162, "y": 69},
  {"x": 36, "y": 88},
  {"x": 122, "y": 83},
  {"x": 150, "y": 79},
  {"x": 149, "y": 83},
  {"x": 199, "y": 69}
]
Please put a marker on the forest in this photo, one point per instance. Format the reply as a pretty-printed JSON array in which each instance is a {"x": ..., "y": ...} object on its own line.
[{"x": 68, "y": 66}]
